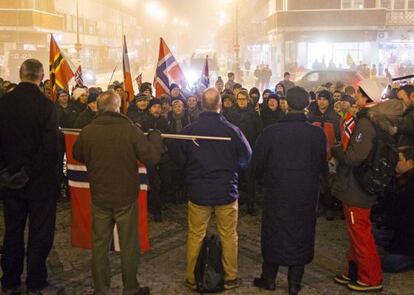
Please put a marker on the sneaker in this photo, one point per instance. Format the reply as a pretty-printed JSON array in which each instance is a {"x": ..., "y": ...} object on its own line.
[
  {"x": 190, "y": 285},
  {"x": 362, "y": 287},
  {"x": 49, "y": 290},
  {"x": 232, "y": 284},
  {"x": 342, "y": 280}
]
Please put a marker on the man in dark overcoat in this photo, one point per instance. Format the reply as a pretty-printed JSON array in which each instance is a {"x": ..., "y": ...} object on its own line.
[
  {"x": 291, "y": 155},
  {"x": 28, "y": 161}
]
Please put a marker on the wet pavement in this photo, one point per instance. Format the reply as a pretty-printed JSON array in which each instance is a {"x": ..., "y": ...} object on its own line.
[{"x": 162, "y": 269}]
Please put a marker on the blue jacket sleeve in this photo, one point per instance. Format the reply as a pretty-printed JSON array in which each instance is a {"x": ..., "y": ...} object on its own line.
[{"x": 244, "y": 151}]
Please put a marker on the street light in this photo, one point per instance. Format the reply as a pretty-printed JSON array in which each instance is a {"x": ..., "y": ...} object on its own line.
[
  {"x": 237, "y": 45},
  {"x": 78, "y": 45}
]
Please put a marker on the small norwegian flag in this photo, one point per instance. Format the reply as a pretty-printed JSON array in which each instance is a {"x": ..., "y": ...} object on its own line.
[
  {"x": 138, "y": 79},
  {"x": 348, "y": 128},
  {"x": 78, "y": 77}
]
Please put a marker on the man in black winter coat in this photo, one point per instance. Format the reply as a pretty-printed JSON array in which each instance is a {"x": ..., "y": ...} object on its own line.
[
  {"x": 248, "y": 120},
  {"x": 29, "y": 150},
  {"x": 396, "y": 234},
  {"x": 158, "y": 175},
  {"x": 291, "y": 156},
  {"x": 89, "y": 113},
  {"x": 138, "y": 109}
]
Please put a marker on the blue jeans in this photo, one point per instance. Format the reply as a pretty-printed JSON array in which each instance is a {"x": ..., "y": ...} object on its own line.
[{"x": 392, "y": 263}]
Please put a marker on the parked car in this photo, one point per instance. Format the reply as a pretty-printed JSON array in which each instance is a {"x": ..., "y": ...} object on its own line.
[{"x": 314, "y": 79}]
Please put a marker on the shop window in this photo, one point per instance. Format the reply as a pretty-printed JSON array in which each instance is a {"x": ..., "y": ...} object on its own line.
[{"x": 410, "y": 4}]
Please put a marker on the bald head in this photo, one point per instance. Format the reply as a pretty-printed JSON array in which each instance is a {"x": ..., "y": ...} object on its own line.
[
  {"x": 109, "y": 101},
  {"x": 211, "y": 100}
]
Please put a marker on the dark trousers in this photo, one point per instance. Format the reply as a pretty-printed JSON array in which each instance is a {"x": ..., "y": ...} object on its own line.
[
  {"x": 154, "y": 200},
  {"x": 392, "y": 263},
  {"x": 295, "y": 273},
  {"x": 42, "y": 218}
]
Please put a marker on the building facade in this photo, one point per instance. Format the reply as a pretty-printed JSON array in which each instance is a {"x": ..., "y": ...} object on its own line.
[
  {"x": 301, "y": 35},
  {"x": 98, "y": 25}
]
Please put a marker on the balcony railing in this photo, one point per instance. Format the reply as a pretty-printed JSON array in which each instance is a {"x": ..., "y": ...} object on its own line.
[{"x": 400, "y": 18}]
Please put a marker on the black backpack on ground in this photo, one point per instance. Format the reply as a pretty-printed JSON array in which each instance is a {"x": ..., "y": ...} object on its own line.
[
  {"x": 209, "y": 272},
  {"x": 377, "y": 172}
]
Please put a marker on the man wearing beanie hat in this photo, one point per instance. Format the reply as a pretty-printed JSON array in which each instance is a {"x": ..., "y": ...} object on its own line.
[
  {"x": 146, "y": 89},
  {"x": 137, "y": 110},
  {"x": 346, "y": 103},
  {"x": 271, "y": 113},
  {"x": 175, "y": 91},
  {"x": 228, "y": 102},
  {"x": 89, "y": 113},
  {"x": 324, "y": 115},
  {"x": 291, "y": 156},
  {"x": 363, "y": 269},
  {"x": 158, "y": 175}
]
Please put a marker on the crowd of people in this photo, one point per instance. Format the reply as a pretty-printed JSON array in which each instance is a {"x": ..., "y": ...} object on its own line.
[{"x": 304, "y": 148}]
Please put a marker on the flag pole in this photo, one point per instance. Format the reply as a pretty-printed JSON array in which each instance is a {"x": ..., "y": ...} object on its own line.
[
  {"x": 112, "y": 76},
  {"x": 164, "y": 135}
]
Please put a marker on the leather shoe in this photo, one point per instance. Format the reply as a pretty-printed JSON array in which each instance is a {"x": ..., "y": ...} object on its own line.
[
  {"x": 143, "y": 291},
  {"x": 294, "y": 289},
  {"x": 264, "y": 284}
]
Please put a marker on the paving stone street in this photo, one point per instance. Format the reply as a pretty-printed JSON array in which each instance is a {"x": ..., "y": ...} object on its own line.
[{"x": 162, "y": 269}]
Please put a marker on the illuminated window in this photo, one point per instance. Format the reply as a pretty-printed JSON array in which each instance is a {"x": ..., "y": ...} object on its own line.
[
  {"x": 352, "y": 4},
  {"x": 410, "y": 4},
  {"x": 386, "y": 4},
  {"x": 399, "y": 4}
]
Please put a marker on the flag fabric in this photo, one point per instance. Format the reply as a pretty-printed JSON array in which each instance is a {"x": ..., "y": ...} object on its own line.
[
  {"x": 128, "y": 88},
  {"x": 347, "y": 127},
  {"x": 205, "y": 76},
  {"x": 60, "y": 71},
  {"x": 168, "y": 71},
  {"x": 81, "y": 201},
  {"x": 78, "y": 77},
  {"x": 138, "y": 79}
]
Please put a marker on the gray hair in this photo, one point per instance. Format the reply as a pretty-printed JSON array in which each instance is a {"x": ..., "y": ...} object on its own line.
[
  {"x": 211, "y": 100},
  {"x": 31, "y": 70},
  {"x": 109, "y": 101}
]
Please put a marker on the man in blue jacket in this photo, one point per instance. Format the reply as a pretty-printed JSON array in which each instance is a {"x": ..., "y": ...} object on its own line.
[{"x": 211, "y": 172}]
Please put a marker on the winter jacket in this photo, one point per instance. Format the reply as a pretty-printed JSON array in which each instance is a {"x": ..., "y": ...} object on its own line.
[
  {"x": 135, "y": 114},
  {"x": 291, "y": 156},
  {"x": 405, "y": 128},
  {"x": 345, "y": 186},
  {"x": 84, "y": 118},
  {"x": 270, "y": 117},
  {"x": 248, "y": 121},
  {"x": 29, "y": 139},
  {"x": 111, "y": 147},
  {"x": 173, "y": 126},
  {"x": 151, "y": 122},
  {"x": 330, "y": 116},
  {"x": 400, "y": 217},
  {"x": 211, "y": 167}
]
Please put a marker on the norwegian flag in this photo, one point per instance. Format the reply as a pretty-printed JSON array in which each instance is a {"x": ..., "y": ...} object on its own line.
[
  {"x": 138, "y": 79},
  {"x": 78, "y": 76},
  {"x": 168, "y": 71},
  {"x": 347, "y": 128},
  {"x": 205, "y": 77}
]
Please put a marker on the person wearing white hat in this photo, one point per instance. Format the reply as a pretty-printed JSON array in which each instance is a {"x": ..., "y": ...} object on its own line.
[{"x": 363, "y": 271}]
